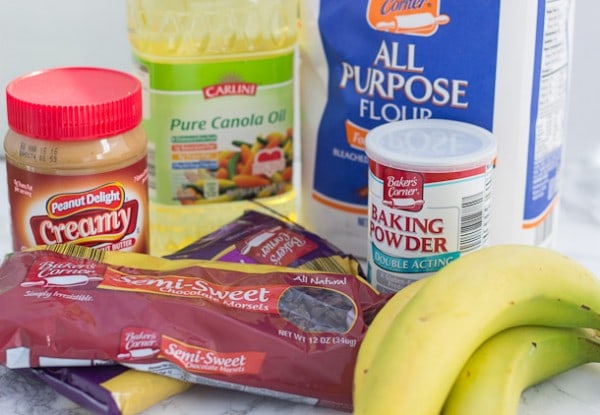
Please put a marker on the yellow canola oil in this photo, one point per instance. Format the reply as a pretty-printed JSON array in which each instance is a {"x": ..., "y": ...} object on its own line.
[{"x": 218, "y": 85}]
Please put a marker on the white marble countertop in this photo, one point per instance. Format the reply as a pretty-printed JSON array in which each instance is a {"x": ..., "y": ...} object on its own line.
[{"x": 574, "y": 392}]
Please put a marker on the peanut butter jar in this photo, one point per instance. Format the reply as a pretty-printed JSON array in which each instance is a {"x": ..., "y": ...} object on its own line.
[{"x": 77, "y": 159}]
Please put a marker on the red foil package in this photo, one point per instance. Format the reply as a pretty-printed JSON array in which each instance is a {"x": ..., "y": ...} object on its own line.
[{"x": 279, "y": 331}]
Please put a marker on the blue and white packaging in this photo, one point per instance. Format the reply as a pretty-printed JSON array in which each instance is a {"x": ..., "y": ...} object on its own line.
[{"x": 501, "y": 65}]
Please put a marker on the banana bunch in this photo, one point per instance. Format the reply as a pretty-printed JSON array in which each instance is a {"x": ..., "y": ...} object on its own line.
[
  {"x": 495, "y": 376},
  {"x": 470, "y": 338}
]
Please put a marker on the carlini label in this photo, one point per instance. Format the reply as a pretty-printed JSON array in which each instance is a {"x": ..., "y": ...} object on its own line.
[
  {"x": 403, "y": 59},
  {"x": 230, "y": 88}
]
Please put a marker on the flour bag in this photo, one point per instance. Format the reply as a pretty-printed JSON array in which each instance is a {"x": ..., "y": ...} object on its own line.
[{"x": 501, "y": 65}]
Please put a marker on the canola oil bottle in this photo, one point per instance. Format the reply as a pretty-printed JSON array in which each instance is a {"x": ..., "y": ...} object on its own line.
[{"x": 218, "y": 109}]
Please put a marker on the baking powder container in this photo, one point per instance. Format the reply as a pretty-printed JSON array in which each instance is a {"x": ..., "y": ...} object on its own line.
[
  {"x": 77, "y": 159},
  {"x": 430, "y": 183}
]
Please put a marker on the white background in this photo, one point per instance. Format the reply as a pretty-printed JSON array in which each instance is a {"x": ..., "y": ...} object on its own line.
[{"x": 37, "y": 34}]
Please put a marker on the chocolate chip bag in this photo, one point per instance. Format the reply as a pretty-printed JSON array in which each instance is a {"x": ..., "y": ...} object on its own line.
[
  {"x": 278, "y": 331},
  {"x": 117, "y": 390}
]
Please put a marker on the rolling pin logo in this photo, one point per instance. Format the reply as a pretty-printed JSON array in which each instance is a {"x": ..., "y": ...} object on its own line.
[
  {"x": 138, "y": 343},
  {"x": 276, "y": 246},
  {"x": 403, "y": 190},
  {"x": 411, "y": 17},
  {"x": 50, "y": 273}
]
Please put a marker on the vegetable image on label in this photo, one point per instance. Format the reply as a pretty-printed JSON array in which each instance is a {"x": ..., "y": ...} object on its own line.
[{"x": 219, "y": 84}]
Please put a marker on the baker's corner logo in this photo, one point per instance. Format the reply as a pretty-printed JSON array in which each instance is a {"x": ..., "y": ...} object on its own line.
[
  {"x": 403, "y": 190},
  {"x": 410, "y": 17}
]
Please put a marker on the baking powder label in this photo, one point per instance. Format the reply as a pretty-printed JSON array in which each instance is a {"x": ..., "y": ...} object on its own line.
[{"x": 419, "y": 222}]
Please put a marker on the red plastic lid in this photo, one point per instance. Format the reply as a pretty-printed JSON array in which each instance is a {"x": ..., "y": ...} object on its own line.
[{"x": 74, "y": 103}]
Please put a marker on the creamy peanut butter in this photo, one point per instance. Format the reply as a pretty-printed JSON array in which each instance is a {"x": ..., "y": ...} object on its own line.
[{"x": 76, "y": 160}]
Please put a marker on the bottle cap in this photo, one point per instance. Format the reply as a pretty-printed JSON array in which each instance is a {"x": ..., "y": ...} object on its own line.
[
  {"x": 431, "y": 145},
  {"x": 74, "y": 103}
]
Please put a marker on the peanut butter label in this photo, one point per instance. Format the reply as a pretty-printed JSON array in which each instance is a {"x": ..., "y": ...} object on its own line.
[{"x": 105, "y": 211}]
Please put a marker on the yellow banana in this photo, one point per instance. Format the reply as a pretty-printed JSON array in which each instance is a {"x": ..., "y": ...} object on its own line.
[
  {"x": 378, "y": 327},
  {"x": 496, "y": 375},
  {"x": 461, "y": 306}
]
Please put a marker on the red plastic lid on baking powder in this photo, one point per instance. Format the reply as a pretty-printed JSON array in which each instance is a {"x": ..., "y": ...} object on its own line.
[{"x": 74, "y": 103}]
